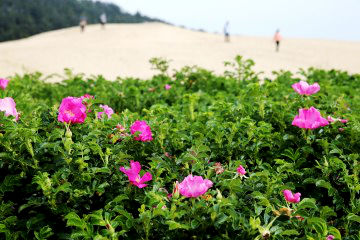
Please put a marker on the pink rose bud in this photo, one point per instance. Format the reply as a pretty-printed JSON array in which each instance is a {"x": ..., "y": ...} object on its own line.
[
  {"x": 309, "y": 119},
  {"x": 330, "y": 237},
  {"x": 290, "y": 197},
  {"x": 303, "y": 88},
  {"x": 241, "y": 170},
  {"x": 8, "y": 106},
  {"x": 3, "y": 83},
  {"x": 145, "y": 131},
  {"x": 107, "y": 110},
  {"x": 72, "y": 110},
  {"x": 194, "y": 186},
  {"x": 133, "y": 175},
  {"x": 344, "y": 120}
]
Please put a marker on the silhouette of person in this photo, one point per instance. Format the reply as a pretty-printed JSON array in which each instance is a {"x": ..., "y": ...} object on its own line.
[
  {"x": 103, "y": 20},
  {"x": 226, "y": 32},
  {"x": 277, "y": 39},
  {"x": 83, "y": 23}
]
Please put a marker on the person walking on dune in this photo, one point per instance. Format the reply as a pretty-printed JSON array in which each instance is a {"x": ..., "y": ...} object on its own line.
[
  {"x": 226, "y": 32},
  {"x": 83, "y": 23},
  {"x": 277, "y": 39},
  {"x": 103, "y": 20}
]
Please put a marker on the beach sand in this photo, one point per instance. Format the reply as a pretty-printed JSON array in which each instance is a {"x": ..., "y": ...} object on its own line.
[{"x": 124, "y": 50}]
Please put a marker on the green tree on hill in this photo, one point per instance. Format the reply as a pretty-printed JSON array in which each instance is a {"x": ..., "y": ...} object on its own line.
[{"x": 23, "y": 18}]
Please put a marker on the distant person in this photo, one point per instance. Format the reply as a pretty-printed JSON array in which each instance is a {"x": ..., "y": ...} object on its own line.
[
  {"x": 226, "y": 32},
  {"x": 103, "y": 20},
  {"x": 277, "y": 39},
  {"x": 83, "y": 23}
]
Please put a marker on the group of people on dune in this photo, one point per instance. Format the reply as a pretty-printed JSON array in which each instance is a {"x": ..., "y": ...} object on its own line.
[
  {"x": 103, "y": 21},
  {"x": 277, "y": 36}
]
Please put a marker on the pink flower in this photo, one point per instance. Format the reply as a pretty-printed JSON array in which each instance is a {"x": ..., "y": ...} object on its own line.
[
  {"x": 194, "y": 186},
  {"x": 72, "y": 110},
  {"x": 88, "y": 96},
  {"x": 330, "y": 119},
  {"x": 330, "y": 237},
  {"x": 167, "y": 87},
  {"x": 3, "y": 83},
  {"x": 133, "y": 174},
  {"x": 107, "y": 110},
  {"x": 289, "y": 197},
  {"x": 145, "y": 131},
  {"x": 303, "y": 88},
  {"x": 8, "y": 106},
  {"x": 309, "y": 119},
  {"x": 241, "y": 170},
  {"x": 343, "y": 120}
]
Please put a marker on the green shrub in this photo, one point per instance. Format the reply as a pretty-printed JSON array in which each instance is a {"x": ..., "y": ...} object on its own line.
[{"x": 56, "y": 186}]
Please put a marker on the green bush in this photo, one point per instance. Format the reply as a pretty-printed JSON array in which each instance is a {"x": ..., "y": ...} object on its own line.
[{"x": 56, "y": 186}]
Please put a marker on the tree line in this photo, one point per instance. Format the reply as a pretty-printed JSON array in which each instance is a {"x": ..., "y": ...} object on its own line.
[{"x": 23, "y": 18}]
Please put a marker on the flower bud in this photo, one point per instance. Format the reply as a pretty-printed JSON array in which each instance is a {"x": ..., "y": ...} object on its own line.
[
  {"x": 219, "y": 195},
  {"x": 68, "y": 134}
]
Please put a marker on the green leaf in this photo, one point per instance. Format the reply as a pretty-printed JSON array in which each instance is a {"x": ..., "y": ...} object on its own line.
[
  {"x": 175, "y": 225},
  {"x": 289, "y": 232},
  {"x": 353, "y": 217},
  {"x": 74, "y": 220},
  {"x": 307, "y": 203}
]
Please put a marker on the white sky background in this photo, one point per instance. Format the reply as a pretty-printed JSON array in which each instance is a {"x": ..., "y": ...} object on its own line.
[{"x": 329, "y": 19}]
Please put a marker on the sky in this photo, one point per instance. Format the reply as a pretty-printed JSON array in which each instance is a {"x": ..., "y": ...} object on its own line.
[{"x": 326, "y": 19}]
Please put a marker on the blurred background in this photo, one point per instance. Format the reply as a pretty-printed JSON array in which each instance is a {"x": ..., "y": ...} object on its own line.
[
  {"x": 118, "y": 37},
  {"x": 328, "y": 19}
]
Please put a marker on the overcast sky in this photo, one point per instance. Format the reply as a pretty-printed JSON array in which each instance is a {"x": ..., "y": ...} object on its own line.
[{"x": 331, "y": 19}]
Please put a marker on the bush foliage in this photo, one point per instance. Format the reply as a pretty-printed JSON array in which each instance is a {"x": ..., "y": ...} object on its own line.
[{"x": 60, "y": 186}]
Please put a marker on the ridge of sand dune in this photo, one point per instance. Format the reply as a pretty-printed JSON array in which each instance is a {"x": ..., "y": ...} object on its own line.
[{"x": 125, "y": 49}]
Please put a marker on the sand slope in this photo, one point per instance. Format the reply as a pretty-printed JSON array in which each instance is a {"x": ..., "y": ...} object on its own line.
[{"x": 125, "y": 49}]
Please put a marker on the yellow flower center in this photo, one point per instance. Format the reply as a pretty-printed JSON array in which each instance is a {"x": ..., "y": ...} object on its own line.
[{"x": 69, "y": 113}]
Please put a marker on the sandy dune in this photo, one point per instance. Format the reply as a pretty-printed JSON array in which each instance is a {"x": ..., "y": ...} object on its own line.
[{"x": 125, "y": 49}]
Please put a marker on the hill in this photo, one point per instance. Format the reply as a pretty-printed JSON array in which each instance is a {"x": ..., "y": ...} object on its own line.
[
  {"x": 125, "y": 50},
  {"x": 19, "y": 18}
]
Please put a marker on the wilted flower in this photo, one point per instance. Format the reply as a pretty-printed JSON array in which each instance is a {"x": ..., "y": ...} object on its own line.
[
  {"x": 107, "y": 110},
  {"x": 309, "y": 119},
  {"x": 120, "y": 127},
  {"x": 167, "y": 87},
  {"x": 290, "y": 197},
  {"x": 341, "y": 129},
  {"x": 219, "y": 168},
  {"x": 3, "y": 83},
  {"x": 330, "y": 237},
  {"x": 145, "y": 131},
  {"x": 72, "y": 110},
  {"x": 133, "y": 175},
  {"x": 241, "y": 170},
  {"x": 303, "y": 88},
  {"x": 194, "y": 186},
  {"x": 300, "y": 218},
  {"x": 8, "y": 106}
]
